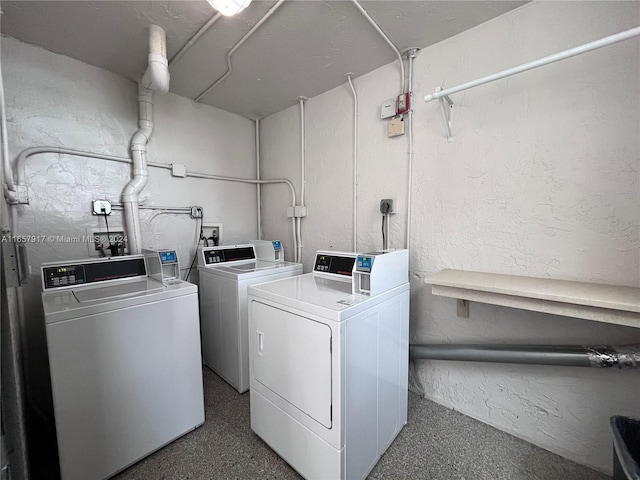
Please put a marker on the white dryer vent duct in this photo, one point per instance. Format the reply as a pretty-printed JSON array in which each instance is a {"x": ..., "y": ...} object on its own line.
[{"x": 155, "y": 78}]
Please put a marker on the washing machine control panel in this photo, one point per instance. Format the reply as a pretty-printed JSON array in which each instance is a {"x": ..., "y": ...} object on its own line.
[
  {"x": 63, "y": 276},
  {"x": 60, "y": 275},
  {"x": 223, "y": 255}
]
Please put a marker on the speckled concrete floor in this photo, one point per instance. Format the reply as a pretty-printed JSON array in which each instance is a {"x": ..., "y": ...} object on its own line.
[{"x": 436, "y": 444}]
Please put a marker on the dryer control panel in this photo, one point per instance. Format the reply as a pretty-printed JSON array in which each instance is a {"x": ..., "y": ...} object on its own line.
[
  {"x": 338, "y": 265},
  {"x": 82, "y": 272}
]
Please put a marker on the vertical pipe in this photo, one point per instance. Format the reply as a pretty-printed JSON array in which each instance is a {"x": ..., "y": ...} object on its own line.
[
  {"x": 140, "y": 169},
  {"x": 258, "y": 178},
  {"x": 355, "y": 163},
  {"x": 6, "y": 164},
  {"x": 303, "y": 174},
  {"x": 301, "y": 100},
  {"x": 412, "y": 55}
]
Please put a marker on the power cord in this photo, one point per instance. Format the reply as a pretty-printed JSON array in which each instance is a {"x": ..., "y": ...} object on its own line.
[
  {"x": 384, "y": 240},
  {"x": 114, "y": 249},
  {"x": 195, "y": 255}
]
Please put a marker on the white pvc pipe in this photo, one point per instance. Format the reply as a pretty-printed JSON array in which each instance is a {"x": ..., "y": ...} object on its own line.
[
  {"x": 6, "y": 164},
  {"x": 194, "y": 39},
  {"x": 355, "y": 164},
  {"x": 572, "y": 52},
  {"x": 410, "y": 162},
  {"x": 140, "y": 170},
  {"x": 236, "y": 46},
  {"x": 28, "y": 152},
  {"x": 295, "y": 239},
  {"x": 259, "y": 205},
  {"x": 386, "y": 39},
  {"x": 303, "y": 175},
  {"x": 156, "y": 77}
]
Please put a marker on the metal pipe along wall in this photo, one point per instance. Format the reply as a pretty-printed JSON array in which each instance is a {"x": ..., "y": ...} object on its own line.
[{"x": 627, "y": 356}]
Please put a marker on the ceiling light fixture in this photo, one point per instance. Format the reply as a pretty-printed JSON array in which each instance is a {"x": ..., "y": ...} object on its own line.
[{"x": 229, "y": 7}]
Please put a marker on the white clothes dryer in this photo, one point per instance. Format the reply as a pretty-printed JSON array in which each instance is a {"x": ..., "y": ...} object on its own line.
[{"x": 329, "y": 362}]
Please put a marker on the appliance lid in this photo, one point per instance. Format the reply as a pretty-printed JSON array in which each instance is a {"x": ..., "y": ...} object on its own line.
[{"x": 141, "y": 287}]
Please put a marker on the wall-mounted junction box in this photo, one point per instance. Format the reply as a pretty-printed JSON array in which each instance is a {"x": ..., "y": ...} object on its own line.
[
  {"x": 101, "y": 207},
  {"x": 386, "y": 206},
  {"x": 396, "y": 127},
  {"x": 212, "y": 231},
  {"x": 388, "y": 109},
  {"x": 97, "y": 238}
]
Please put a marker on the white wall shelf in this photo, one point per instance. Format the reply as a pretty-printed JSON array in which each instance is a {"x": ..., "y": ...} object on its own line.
[{"x": 601, "y": 303}]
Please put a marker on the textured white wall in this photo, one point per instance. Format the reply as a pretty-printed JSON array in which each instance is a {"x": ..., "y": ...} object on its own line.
[
  {"x": 542, "y": 179},
  {"x": 56, "y": 101}
]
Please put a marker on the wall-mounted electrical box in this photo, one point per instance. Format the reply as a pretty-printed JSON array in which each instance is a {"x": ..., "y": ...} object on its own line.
[
  {"x": 178, "y": 170},
  {"x": 98, "y": 241},
  {"x": 386, "y": 206},
  {"x": 101, "y": 207},
  {"x": 213, "y": 233},
  {"x": 403, "y": 105},
  {"x": 388, "y": 109},
  {"x": 395, "y": 127},
  {"x": 196, "y": 212}
]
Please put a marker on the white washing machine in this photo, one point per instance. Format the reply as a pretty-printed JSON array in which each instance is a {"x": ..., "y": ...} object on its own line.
[
  {"x": 225, "y": 273},
  {"x": 329, "y": 362},
  {"x": 124, "y": 356}
]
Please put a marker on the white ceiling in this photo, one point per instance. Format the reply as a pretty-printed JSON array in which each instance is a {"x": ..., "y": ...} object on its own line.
[{"x": 304, "y": 49}]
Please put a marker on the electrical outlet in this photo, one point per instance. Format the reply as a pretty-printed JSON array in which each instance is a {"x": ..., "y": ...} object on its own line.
[
  {"x": 101, "y": 207},
  {"x": 196, "y": 212},
  {"x": 99, "y": 239},
  {"x": 212, "y": 231},
  {"x": 386, "y": 206}
]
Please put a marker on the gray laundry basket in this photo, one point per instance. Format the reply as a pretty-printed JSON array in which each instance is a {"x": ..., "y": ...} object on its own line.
[{"x": 626, "y": 448}]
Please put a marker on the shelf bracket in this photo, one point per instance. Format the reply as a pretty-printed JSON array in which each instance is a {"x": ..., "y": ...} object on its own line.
[
  {"x": 463, "y": 308},
  {"x": 446, "y": 104}
]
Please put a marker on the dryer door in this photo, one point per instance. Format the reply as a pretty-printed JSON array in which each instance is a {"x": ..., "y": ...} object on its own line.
[{"x": 292, "y": 358}]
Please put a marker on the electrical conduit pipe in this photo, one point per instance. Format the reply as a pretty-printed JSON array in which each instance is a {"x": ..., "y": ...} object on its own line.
[
  {"x": 303, "y": 176},
  {"x": 259, "y": 205},
  {"x": 156, "y": 78},
  {"x": 355, "y": 163},
  {"x": 236, "y": 47}
]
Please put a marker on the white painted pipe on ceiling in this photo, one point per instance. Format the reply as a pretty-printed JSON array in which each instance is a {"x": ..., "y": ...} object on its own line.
[
  {"x": 238, "y": 45},
  {"x": 386, "y": 39},
  {"x": 194, "y": 39},
  {"x": 355, "y": 163}
]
